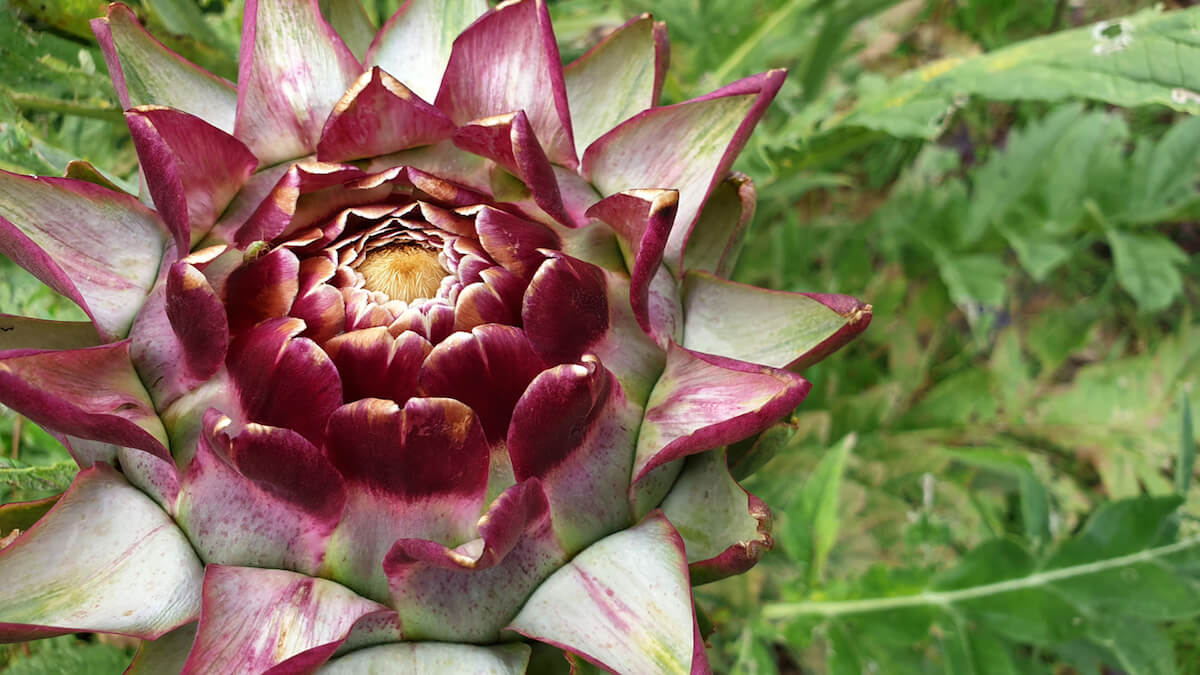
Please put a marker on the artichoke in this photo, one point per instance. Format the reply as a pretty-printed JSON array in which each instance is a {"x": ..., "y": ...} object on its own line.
[{"x": 426, "y": 351}]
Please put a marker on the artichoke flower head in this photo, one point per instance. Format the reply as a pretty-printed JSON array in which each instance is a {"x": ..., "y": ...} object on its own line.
[{"x": 417, "y": 349}]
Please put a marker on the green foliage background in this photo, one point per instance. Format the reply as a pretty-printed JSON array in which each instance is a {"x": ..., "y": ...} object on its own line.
[{"x": 995, "y": 478}]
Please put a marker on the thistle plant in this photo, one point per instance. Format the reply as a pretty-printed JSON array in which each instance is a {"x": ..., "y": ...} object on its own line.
[{"x": 426, "y": 351}]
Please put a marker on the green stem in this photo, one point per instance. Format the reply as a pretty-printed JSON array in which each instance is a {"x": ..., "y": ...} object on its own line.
[
  {"x": 34, "y": 102},
  {"x": 789, "y": 610},
  {"x": 722, "y": 73}
]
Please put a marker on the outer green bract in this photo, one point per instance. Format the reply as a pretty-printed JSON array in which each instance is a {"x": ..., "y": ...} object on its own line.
[{"x": 426, "y": 352}]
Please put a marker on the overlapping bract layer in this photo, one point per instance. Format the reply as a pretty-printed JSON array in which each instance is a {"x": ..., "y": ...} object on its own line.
[{"x": 428, "y": 344}]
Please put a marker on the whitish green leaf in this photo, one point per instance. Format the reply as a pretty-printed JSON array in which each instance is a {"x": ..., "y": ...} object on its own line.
[
  {"x": 1139, "y": 60},
  {"x": 1147, "y": 266}
]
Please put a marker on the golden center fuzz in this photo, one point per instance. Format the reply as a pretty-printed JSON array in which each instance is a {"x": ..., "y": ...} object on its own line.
[{"x": 403, "y": 272}]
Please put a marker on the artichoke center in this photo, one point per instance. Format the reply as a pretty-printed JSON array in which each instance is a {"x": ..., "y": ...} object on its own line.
[{"x": 402, "y": 272}]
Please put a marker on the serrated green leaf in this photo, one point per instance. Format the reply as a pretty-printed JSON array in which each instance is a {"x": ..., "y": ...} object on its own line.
[
  {"x": 1163, "y": 175},
  {"x": 1187, "y": 447},
  {"x": 1147, "y": 267},
  {"x": 1134, "y": 61},
  {"x": 19, "y": 149},
  {"x": 1035, "y": 506},
  {"x": 842, "y": 655},
  {"x": 1120, "y": 566},
  {"x": 980, "y": 278},
  {"x": 1008, "y": 176},
  {"x": 812, "y": 520},
  {"x": 964, "y": 399},
  {"x": 753, "y": 657},
  {"x": 69, "y": 16},
  {"x": 50, "y": 479},
  {"x": 1053, "y": 336},
  {"x": 1140, "y": 648},
  {"x": 992, "y": 656},
  {"x": 955, "y": 642},
  {"x": 69, "y": 654}
]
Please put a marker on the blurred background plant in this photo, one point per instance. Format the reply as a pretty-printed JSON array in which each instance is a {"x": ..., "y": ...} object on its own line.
[{"x": 995, "y": 478}]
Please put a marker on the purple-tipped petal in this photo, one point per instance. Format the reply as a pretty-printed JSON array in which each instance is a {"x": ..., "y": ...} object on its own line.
[
  {"x": 262, "y": 289},
  {"x": 247, "y": 202},
  {"x": 509, "y": 141},
  {"x": 688, "y": 146},
  {"x": 373, "y": 629},
  {"x": 373, "y": 364},
  {"x": 642, "y": 220},
  {"x": 321, "y": 306},
  {"x": 129, "y": 570},
  {"x": 283, "y": 380},
  {"x": 23, "y": 332},
  {"x": 420, "y": 471},
  {"x": 520, "y": 508},
  {"x": 166, "y": 654},
  {"x": 578, "y": 195},
  {"x": 624, "y": 604},
  {"x": 144, "y": 72},
  {"x": 601, "y": 323},
  {"x": 414, "y": 44},
  {"x": 441, "y": 159},
  {"x": 378, "y": 115},
  {"x": 293, "y": 69},
  {"x": 616, "y": 79},
  {"x": 51, "y": 227},
  {"x": 725, "y": 529},
  {"x": 193, "y": 169},
  {"x": 429, "y": 453},
  {"x": 279, "y": 211},
  {"x": 575, "y": 431},
  {"x": 432, "y": 657},
  {"x": 487, "y": 369},
  {"x": 716, "y": 238},
  {"x": 790, "y": 329},
  {"x": 514, "y": 242},
  {"x": 92, "y": 393},
  {"x": 508, "y": 61},
  {"x": 198, "y": 320},
  {"x": 702, "y": 402},
  {"x": 256, "y": 619},
  {"x": 259, "y": 496},
  {"x": 479, "y": 303},
  {"x": 468, "y": 594},
  {"x": 158, "y": 354}
]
